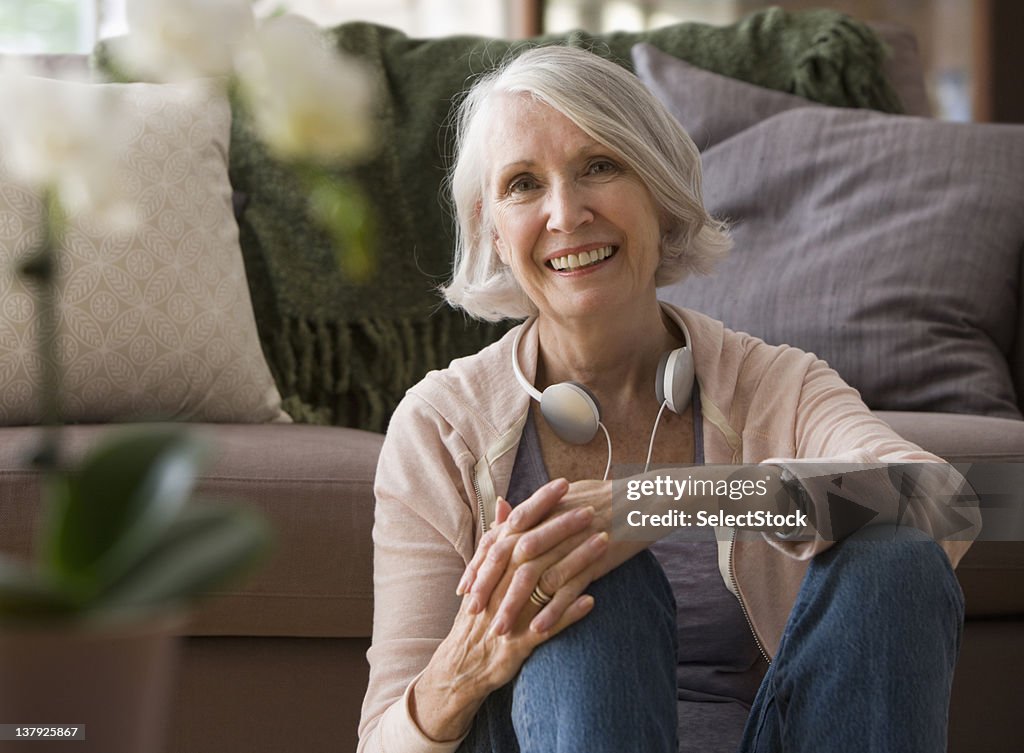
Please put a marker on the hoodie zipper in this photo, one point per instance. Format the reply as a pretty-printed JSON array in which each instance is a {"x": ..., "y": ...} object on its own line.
[
  {"x": 743, "y": 607},
  {"x": 479, "y": 505}
]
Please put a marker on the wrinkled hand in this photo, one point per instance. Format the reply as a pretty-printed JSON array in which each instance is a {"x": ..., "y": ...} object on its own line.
[
  {"x": 475, "y": 659},
  {"x": 492, "y": 657},
  {"x": 557, "y": 539}
]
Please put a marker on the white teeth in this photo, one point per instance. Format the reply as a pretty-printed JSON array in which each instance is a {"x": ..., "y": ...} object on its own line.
[{"x": 583, "y": 259}]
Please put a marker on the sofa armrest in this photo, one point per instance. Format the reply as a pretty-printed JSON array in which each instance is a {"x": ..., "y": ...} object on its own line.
[
  {"x": 992, "y": 572},
  {"x": 314, "y": 484},
  {"x": 960, "y": 438}
]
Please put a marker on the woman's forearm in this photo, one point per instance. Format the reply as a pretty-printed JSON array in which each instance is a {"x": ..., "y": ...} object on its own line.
[
  {"x": 441, "y": 706},
  {"x": 442, "y": 702}
]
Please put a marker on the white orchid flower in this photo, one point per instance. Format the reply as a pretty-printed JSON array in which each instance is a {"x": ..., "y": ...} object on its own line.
[
  {"x": 178, "y": 40},
  {"x": 62, "y": 136},
  {"x": 307, "y": 101}
]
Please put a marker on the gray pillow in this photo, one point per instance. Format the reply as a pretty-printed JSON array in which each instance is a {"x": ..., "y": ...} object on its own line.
[{"x": 888, "y": 245}]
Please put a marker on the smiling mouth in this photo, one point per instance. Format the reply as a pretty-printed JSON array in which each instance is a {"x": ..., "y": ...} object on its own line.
[{"x": 581, "y": 260}]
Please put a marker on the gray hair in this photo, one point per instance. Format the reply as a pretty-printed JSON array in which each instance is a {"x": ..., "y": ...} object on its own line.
[{"x": 610, "y": 105}]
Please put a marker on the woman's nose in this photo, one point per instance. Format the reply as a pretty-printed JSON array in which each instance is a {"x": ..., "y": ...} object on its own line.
[{"x": 567, "y": 209}]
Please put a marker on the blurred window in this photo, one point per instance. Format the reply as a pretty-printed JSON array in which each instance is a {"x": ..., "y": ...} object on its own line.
[
  {"x": 38, "y": 26},
  {"x": 50, "y": 26},
  {"x": 943, "y": 29}
]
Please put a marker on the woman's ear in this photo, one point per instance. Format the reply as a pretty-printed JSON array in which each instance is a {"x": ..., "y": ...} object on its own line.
[
  {"x": 499, "y": 247},
  {"x": 485, "y": 226}
]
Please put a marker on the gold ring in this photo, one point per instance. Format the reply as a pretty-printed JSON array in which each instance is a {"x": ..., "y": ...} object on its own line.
[{"x": 539, "y": 597}]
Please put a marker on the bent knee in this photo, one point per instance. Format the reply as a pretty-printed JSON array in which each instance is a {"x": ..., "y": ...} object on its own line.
[
  {"x": 633, "y": 622},
  {"x": 902, "y": 558}
]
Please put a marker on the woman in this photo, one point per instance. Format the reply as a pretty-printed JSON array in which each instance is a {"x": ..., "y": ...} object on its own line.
[{"x": 577, "y": 195}]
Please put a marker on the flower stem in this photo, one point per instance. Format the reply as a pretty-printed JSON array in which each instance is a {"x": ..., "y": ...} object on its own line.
[{"x": 41, "y": 268}]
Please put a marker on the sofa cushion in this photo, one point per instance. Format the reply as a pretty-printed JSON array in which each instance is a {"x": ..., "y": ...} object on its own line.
[
  {"x": 155, "y": 321},
  {"x": 314, "y": 484},
  {"x": 889, "y": 246}
]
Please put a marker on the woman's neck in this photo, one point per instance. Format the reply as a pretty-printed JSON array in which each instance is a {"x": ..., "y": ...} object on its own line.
[{"x": 614, "y": 356}]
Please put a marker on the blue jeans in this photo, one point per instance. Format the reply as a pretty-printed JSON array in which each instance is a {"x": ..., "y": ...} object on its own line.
[{"x": 865, "y": 664}]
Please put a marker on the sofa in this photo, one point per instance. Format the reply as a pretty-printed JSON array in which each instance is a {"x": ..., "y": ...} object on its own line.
[{"x": 277, "y": 661}]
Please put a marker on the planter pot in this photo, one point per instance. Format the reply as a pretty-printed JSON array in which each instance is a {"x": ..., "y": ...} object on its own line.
[{"x": 114, "y": 678}]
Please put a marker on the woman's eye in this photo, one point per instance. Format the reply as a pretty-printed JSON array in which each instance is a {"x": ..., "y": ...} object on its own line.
[
  {"x": 519, "y": 185},
  {"x": 602, "y": 166}
]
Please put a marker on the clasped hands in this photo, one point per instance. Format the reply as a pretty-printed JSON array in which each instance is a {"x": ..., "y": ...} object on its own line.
[{"x": 556, "y": 540}]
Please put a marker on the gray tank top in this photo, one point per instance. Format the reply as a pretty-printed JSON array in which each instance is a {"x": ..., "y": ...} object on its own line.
[{"x": 719, "y": 666}]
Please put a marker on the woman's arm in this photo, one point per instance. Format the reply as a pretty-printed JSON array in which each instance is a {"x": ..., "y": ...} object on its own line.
[
  {"x": 423, "y": 528},
  {"x": 474, "y": 660},
  {"x": 432, "y": 661},
  {"x": 856, "y": 470}
]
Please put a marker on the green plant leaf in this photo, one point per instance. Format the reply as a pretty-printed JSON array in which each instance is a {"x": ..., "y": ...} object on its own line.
[
  {"x": 25, "y": 594},
  {"x": 207, "y": 544},
  {"x": 117, "y": 505}
]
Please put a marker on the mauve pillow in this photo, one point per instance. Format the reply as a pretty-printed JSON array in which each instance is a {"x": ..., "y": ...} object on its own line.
[
  {"x": 713, "y": 107},
  {"x": 888, "y": 245},
  {"x": 710, "y": 107}
]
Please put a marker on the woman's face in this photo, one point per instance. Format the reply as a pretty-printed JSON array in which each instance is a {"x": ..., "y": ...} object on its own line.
[{"x": 578, "y": 228}]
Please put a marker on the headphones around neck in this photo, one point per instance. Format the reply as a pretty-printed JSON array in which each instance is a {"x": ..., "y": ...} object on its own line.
[{"x": 574, "y": 413}]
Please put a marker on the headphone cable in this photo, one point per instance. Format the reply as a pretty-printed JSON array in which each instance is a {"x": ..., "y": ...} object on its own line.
[
  {"x": 654, "y": 431},
  {"x": 608, "y": 438},
  {"x": 650, "y": 447}
]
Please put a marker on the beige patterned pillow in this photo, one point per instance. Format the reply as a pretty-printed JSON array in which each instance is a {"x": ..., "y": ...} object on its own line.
[{"x": 154, "y": 322}]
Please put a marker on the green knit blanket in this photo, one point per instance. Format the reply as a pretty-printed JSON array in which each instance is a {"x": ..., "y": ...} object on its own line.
[{"x": 344, "y": 353}]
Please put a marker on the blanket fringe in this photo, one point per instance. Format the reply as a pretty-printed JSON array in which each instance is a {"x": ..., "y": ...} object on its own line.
[{"x": 355, "y": 373}]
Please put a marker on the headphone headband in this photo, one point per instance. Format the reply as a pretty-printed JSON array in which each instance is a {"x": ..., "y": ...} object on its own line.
[
  {"x": 573, "y": 411},
  {"x": 530, "y": 389}
]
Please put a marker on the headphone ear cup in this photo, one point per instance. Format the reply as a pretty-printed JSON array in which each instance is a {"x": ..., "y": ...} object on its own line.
[
  {"x": 572, "y": 411},
  {"x": 674, "y": 382}
]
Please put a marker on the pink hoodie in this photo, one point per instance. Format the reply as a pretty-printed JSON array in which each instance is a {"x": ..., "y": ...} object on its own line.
[{"x": 452, "y": 443}]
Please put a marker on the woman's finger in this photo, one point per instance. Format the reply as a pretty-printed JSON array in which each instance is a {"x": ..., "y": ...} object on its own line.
[
  {"x": 502, "y": 510},
  {"x": 491, "y": 570},
  {"x": 572, "y": 573},
  {"x": 576, "y": 611},
  {"x": 552, "y": 613},
  {"x": 486, "y": 574},
  {"x": 538, "y": 506},
  {"x": 522, "y": 578},
  {"x": 501, "y": 513},
  {"x": 550, "y": 573},
  {"x": 552, "y": 532},
  {"x": 474, "y": 563}
]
